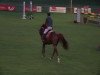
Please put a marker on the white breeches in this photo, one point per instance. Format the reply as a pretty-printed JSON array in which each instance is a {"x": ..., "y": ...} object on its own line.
[{"x": 47, "y": 29}]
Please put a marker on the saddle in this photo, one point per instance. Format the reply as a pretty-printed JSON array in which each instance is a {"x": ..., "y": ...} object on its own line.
[{"x": 47, "y": 35}]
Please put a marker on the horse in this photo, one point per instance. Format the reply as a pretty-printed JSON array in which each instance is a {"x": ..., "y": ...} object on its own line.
[{"x": 52, "y": 38}]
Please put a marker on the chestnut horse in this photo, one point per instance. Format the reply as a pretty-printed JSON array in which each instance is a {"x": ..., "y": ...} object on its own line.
[{"x": 52, "y": 38}]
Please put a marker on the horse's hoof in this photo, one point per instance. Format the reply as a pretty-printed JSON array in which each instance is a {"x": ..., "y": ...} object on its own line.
[
  {"x": 58, "y": 60},
  {"x": 43, "y": 56},
  {"x": 50, "y": 58}
]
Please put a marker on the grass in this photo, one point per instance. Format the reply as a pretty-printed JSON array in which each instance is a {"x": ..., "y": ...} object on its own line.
[{"x": 20, "y": 46}]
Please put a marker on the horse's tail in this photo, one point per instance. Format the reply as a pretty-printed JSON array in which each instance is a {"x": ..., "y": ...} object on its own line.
[{"x": 63, "y": 41}]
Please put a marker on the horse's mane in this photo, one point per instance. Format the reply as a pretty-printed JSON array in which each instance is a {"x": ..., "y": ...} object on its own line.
[{"x": 44, "y": 26}]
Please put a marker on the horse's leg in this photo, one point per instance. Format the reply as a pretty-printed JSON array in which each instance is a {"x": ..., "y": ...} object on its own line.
[
  {"x": 56, "y": 51},
  {"x": 53, "y": 54},
  {"x": 43, "y": 50},
  {"x": 58, "y": 59}
]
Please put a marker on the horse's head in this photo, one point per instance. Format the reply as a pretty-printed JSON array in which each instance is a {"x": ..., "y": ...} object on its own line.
[{"x": 42, "y": 28}]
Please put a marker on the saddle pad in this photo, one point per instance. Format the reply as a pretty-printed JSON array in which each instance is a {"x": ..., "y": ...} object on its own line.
[{"x": 48, "y": 34}]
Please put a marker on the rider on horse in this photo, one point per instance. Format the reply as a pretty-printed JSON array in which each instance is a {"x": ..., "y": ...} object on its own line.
[
  {"x": 49, "y": 24},
  {"x": 52, "y": 38}
]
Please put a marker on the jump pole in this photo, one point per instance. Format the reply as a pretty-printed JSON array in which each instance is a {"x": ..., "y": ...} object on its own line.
[
  {"x": 30, "y": 6},
  {"x": 24, "y": 15}
]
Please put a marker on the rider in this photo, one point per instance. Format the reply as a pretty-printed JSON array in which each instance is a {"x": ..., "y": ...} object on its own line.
[{"x": 49, "y": 23}]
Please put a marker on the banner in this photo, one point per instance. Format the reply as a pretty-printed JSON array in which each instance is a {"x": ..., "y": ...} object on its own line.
[
  {"x": 34, "y": 8},
  {"x": 57, "y": 9},
  {"x": 39, "y": 9},
  {"x": 84, "y": 10},
  {"x": 6, "y": 7}
]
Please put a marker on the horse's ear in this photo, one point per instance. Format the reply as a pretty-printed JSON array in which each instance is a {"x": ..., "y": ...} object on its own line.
[{"x": 42, "y": 25}]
